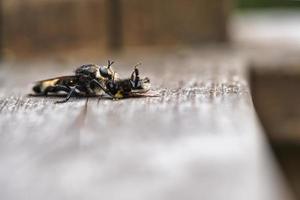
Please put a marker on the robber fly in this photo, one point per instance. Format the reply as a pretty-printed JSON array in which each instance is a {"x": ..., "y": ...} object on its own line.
[{"x": 91, "y": 80}]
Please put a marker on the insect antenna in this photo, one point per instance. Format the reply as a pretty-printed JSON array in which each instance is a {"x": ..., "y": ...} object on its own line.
[
  {"x": 135, "y": 71},
  {"x": 110, "y": 63}
]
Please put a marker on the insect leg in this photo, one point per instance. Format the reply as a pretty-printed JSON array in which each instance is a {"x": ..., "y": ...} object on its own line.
[
  {"x": 71, "y": 92},
  {"x": 135, "y": 75},
  {"x": 104, "y": 89}
]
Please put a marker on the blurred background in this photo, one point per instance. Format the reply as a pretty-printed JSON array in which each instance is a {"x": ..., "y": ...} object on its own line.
[
  {"x": 31, "y": 28},
  {"x": 267, "y": 30}
]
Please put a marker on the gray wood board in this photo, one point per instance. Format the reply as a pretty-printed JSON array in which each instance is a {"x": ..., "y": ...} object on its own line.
[{"x": 199, "y": 139}]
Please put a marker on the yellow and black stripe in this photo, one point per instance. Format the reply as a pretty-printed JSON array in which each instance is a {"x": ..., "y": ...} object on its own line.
[{"x": 41, "y": 86}]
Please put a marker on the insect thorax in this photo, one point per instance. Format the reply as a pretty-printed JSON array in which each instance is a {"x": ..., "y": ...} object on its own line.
[{"x": 90, "y": 70}]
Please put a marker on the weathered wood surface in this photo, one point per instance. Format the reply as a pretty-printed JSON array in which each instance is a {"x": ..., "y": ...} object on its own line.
[{"x": 199, "y": 140}]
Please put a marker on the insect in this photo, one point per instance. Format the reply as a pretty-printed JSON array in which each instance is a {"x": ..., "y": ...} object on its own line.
[
  {"x": 91, "y": 80},
  {"x": 120, "y": 88}
]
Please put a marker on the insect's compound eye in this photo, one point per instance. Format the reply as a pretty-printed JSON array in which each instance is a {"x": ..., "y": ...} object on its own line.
[{"x": 104, "y": 72}]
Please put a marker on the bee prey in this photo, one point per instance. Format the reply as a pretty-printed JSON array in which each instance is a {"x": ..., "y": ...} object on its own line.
[{"x": 91, "y": 80}]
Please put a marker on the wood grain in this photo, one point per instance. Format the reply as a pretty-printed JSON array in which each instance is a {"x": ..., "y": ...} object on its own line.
[{"x": 199, "y": 139}]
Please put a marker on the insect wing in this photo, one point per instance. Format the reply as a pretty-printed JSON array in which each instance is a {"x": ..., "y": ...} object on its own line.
[{"x": 70, "y": 80}]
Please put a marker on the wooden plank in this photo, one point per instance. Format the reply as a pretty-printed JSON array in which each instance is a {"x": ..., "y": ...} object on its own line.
[
  {"x": 270, "y": 39},
  {"x": 275, "y": 82},
  {"x": 174, "y": 22},
  {"x": 273, "y": 47},
  {"x": 199, "y": 140}
]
